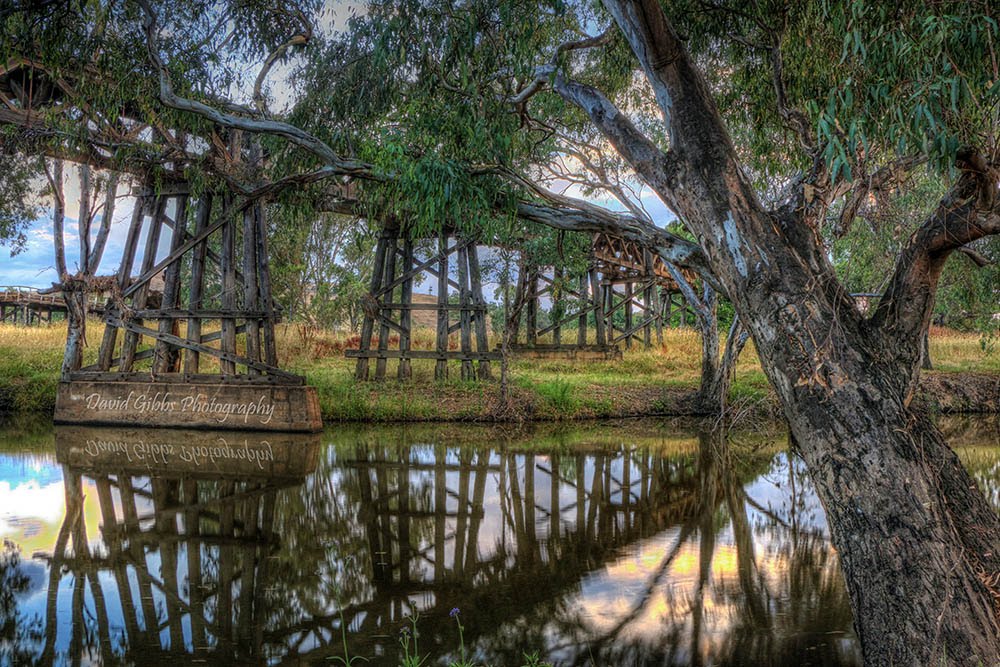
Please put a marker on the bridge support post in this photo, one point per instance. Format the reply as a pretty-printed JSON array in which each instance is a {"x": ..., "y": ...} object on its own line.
[
  {"x": 390, "y": 305},
  {"x": 156, "y": 375}
]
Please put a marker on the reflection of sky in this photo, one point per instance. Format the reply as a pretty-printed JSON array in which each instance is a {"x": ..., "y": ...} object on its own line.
[
  {"x": 632, "y": 591},
  {"x": 32, "y": 502},
  {"x": 773, "y": 492}
]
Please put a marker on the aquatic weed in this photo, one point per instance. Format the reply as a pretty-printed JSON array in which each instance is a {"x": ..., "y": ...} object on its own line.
[
  {"x": 406, "y": 635},
  {"x": 532, "y": 660},
  {"x": 464, "y": 661},
  {"x": 347, "y": 659}
]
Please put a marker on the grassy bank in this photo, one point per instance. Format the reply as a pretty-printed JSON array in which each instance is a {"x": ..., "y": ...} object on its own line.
[{"x": 643, "y": 382}]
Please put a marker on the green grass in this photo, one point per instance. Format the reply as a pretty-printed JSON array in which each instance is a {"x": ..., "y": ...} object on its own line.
[{"x": 643, "y": 382}]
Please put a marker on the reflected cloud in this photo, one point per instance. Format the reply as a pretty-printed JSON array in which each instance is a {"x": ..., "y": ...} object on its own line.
[{"x": 667, "y": 549}]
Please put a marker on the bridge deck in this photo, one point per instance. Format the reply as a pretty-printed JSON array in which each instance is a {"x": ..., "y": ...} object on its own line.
[{"x": 28, "y": 304}]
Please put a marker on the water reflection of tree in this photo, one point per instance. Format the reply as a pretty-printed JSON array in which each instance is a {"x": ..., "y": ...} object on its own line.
[
  {"x": 387, "y": 526},
  {"x": 385, "y": 529},
  {"x": 18, "y": 634},
  {"x": 801, "y": 608},
  {"x": 778, "y": 617}
]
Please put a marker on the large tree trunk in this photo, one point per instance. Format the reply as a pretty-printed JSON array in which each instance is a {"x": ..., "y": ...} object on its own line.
[{"x": 919, "y": 545}]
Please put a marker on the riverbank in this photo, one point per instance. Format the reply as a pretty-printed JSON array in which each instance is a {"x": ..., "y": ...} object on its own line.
[{"x": 656, "y": 382}]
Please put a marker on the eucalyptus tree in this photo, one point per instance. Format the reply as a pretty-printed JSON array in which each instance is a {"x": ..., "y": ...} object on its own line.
[
  {"x": 75, "y": 286},
  {"x": 19, "y": 201},
  {"x": 425, "y": 90},
  {"x": 321, "y": 266},
  {"x": 918, "y": 543}
]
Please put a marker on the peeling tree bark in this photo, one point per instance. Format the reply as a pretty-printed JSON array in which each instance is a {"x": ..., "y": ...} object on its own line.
[{"x": 919, "y": 545}]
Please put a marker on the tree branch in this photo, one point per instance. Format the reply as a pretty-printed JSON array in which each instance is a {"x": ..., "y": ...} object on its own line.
[
  {"x": 58, "y": 215},
  {"x": 544, "y": 72},
  {"x": 295, "y": 135},
  {"x": 884, "y": 177},
  {"x": 568, "y": 214},
  {"x": 672, "y": 249},
  {"x": 976, "y": 257},
  {"x": 299, "y": 39},
  {"x": 905, "y": 309},
  {"x": 106, "y": 218},
  {"x": 653, "y": 165},
  {"x": 794, "y": 119}
]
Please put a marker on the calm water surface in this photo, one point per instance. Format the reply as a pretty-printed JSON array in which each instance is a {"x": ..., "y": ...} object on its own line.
[{"x": 633, "y": 543}]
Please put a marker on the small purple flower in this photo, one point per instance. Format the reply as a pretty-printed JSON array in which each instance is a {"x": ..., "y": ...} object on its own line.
[{"x": 454, "y": 612}]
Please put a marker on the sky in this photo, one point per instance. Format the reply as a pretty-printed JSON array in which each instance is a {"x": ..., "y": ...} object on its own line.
[{"x": 34, "y": 265}]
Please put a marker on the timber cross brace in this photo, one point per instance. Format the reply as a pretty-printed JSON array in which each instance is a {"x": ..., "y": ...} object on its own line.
[
  {"x": 206, "y": 311},
  {"x": 391, "y": 291},
  {"x": 205, "y": 308},
  {"x": 626, "y": 290}
]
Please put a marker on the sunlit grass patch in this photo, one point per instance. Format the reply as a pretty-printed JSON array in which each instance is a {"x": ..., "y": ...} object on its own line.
[{"x": 958, "y": 351}]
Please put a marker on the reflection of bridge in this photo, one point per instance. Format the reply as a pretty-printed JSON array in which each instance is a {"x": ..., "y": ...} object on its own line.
[
  {"x": 27, "y": 305},
  {"x": 446, "y": 528},
  {"x": 187, "y": 533},
  {"x": 189, "y": 556},
  {"x": 242, "y": 558}
]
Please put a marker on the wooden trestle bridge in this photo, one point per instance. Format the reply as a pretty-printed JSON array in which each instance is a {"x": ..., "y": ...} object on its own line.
[
  {"x": 206, "y": 338},
  {"x": 626, "y": 292},
  {"x": 215, "y": 277},
  {"x": 214, "y": 557},
  {"x": 29, "y": 305}
]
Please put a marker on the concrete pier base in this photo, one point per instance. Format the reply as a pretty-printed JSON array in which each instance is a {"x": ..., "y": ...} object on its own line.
[{"x": 231, "y": 407}]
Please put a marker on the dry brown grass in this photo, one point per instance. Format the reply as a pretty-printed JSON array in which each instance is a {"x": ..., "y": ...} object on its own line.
[{"x": 30, "y": 358}]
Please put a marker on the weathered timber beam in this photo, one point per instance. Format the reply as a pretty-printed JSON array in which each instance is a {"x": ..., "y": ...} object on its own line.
[
  {"x": 422, "y": 267},
  {"x": 633, "y": 329},
  {"x": 421, "y": 354},
  {"x": 139, "y": 356},
  {"x": 217, "y": 335},
  {"x": 575, "y": 314},
  {"x": 204, "y": 349},
  {"x": 431, "y": 306},
  {"x": 188, "y": 378},
  {"x": 181, "y": 313}
]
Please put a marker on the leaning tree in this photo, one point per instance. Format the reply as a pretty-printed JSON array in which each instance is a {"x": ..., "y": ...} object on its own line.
[
  {"x": 919, "y": 545},
  {"x": 774, "y": 120}
]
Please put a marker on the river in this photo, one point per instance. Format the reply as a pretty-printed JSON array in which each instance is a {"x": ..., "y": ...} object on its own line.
[{"x": 625, "y": 543}]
